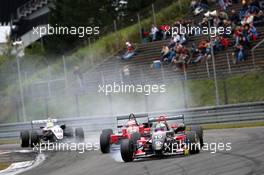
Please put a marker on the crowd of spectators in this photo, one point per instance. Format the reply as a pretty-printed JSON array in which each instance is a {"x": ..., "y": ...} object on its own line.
[{"x": 242, "y": 34}]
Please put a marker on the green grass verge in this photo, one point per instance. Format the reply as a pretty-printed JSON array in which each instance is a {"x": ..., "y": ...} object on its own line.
[
  {"x": 233, "y": 125},
  {"x": 4, "y": 166},
  {"x": 9, "y": 141},
  {"x": 232, "y": 90}
]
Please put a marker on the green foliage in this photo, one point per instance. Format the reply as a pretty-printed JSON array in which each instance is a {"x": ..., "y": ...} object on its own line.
[{"x": 35, "y": 49}]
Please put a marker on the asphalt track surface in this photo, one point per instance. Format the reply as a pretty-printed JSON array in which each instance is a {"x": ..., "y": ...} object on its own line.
[{"x": 245, "y": 158}]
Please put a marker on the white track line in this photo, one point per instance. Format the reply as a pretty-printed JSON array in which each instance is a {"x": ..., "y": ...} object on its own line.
[{"x": 16, "y": 168}]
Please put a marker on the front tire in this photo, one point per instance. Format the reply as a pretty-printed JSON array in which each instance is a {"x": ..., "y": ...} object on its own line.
[
  {"x": 193, "y": 141},
  {"x": 105, "y": 140},
  {"x": 79, "y": 134},
  {"x": 199, "y": 131},
  {"x": 127, "y": 150},
  {"x": 24, "y": 139},
  {"x": 135, "y": 137},
  {"x": 34, "y": 137}
]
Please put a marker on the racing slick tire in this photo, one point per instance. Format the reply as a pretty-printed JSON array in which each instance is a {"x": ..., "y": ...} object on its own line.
[
  {"x": 34, "y": 139},
  {"x": 68, "y": 132},
  {"x": 105, "y": 140},
  {"x": 193, "y": 142},
  {"x": 24, "y": 139},
  {"x": 135, "y": 137},
  {"x": 127, "y": 150},
  {"x": 108, "y": 131},
  {"x": 199, "y": 131},
  {"x": 79, "y": 134}
]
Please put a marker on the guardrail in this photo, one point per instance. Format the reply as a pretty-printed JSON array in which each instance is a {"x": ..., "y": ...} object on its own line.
[
  {"x": 253, "y": 51},
  {"x": 204, "y": 115}
]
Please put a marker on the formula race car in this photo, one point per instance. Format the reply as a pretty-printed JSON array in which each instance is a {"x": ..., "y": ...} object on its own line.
[
  {"x": 51, "y": 132},
  {"x": 130, "y": 129},
  {"x": 165, "y": 140}
]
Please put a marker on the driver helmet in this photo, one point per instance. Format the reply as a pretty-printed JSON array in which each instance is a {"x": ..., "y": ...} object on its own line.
[
  {"x": 50, "y": 123},
  {"x": 131, "y": 123},
  {"x": 160, "y": 127}
]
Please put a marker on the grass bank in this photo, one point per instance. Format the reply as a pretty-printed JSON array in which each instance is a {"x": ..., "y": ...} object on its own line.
[{"x": 4, "y": 166}]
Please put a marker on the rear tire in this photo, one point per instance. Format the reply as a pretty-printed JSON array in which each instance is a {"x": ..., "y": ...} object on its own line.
[
  {"x": 34, "y": 137},
  {"x": 199, "y": 131},
  {"x": 108, "y": 131},
  {"x": 193, "y": 141},
  {"x": 68, "y": 132},
  {"x": 24, "y": 138},
  {"x": 79, "y": 134},
  {"x": 105, "y": 140},
  {"x": 127, "y": 150}
]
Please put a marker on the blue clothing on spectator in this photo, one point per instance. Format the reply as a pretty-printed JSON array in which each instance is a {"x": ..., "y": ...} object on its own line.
[{"x": 172, "y": 55}]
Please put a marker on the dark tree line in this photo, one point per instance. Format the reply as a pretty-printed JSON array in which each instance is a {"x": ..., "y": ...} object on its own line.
[{"x": 93, "y": 13}]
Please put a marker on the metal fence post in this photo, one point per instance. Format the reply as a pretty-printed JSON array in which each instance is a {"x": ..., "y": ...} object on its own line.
[
  {"x": 185, "y": 72},
  {"x": 180, "y": 5},
  {"x": 228, "y": 63},
  {"x": 110, "y": 104},
  {"x": 225, "y": 91},
  {"x": 162, "y": 74},
  {"x": 253, "y": 52},
  {"x": 141, "y": 76},
  {"x": 49, "y": 78},
  {"x": 102, "y": 78},
  {"x": 214, "y": 69},
  {"x": 146, "y": 103},
  {"x": 21, "y": 89},
  {"x": 207, "y": 68},
  {"x": 65, "y": 73},
  {"x": 154, "y": 15},
  {"x": 253, "y": 58},
  {"x": 140, "y": 27},
  {"x": 184, "y": 93},
  {"x": 46, "y": 101},
  {"x": 117, "y": 36},
  {"x": 77, "y": 105}
]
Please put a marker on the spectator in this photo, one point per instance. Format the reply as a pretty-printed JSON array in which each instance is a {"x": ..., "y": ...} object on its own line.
[
  {"x": 234, "y": 17},
  {"x": 130, "y": 51},
  {"x": 239, "y": 53},
  {"x": 252, "y": 33},
  {"x": 144, "y": 35},
  {"x": 164, "y": 53},
  {"x": 154, "y": 32},
  {"x": 224, "y": 42}
]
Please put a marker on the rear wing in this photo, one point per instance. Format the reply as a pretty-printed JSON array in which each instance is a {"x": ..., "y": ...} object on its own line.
[
  {"x": 168, "y": 118},
  {"x": 126, "y": 117},
  {"x": 36, "y": 122},
  {"x": 39, "y": 122}
]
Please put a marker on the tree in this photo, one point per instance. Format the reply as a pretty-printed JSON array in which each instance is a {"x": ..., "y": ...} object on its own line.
[{"x": 76, "y": 13}]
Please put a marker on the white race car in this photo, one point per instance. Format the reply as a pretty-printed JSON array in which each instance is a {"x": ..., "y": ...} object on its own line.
[{"x": 50, "y": 132}]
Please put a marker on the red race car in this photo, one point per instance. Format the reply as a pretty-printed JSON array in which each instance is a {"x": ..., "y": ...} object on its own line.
[
  {"x": 165, "y": 140},
  {"x": 130, "y": 129}
]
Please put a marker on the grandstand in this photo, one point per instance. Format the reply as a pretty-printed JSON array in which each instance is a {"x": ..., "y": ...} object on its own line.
[
  {"x": 23, "y": 15},
  {"x": 140, "y": 65}
]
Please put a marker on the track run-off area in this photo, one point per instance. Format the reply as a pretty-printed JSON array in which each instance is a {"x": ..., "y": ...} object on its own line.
[{"x": 246, "y": 157}]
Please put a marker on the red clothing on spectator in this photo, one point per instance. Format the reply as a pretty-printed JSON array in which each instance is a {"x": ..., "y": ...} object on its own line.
[{"x": 224, "y": 42}]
